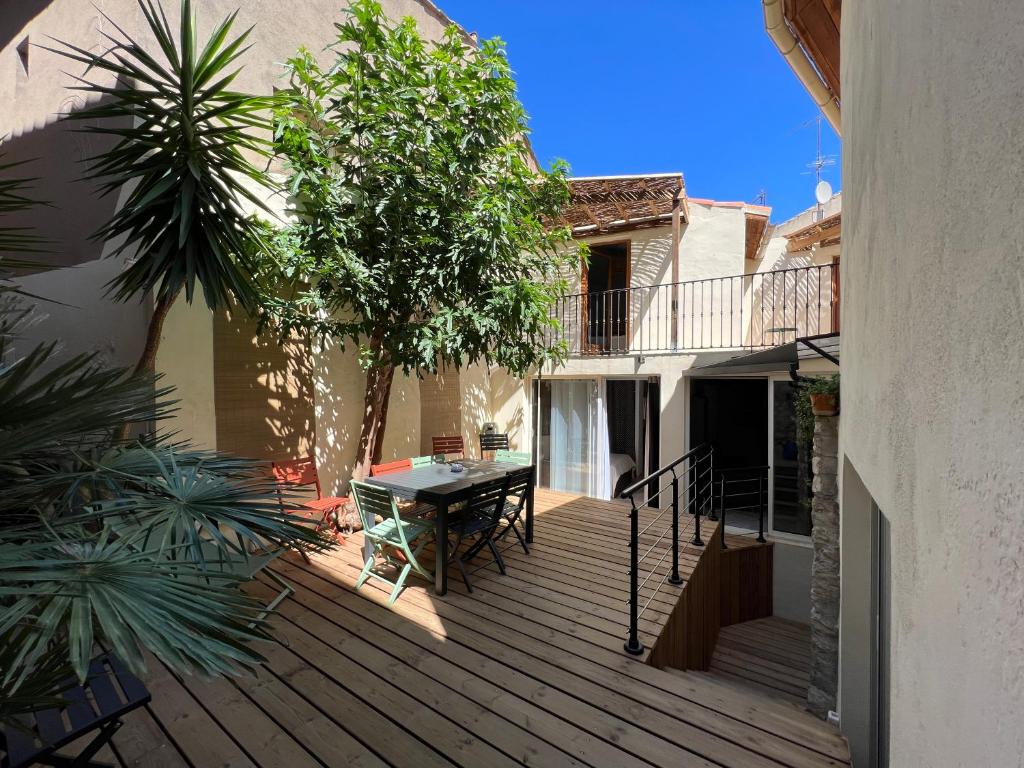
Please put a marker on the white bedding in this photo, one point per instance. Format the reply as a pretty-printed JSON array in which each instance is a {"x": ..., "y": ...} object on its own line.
[{"x": 619, "y": 464}]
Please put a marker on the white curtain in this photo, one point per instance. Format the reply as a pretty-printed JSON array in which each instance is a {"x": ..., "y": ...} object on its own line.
[{"x": 578, "y": 455}]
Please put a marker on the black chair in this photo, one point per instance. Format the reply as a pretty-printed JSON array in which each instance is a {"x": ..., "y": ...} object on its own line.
[
  {"x": 493, "y": 441},
  {"x": 477, "y": 521},
  {"x": 110, "y": 691},
  {"x": 519, "y": 484}
]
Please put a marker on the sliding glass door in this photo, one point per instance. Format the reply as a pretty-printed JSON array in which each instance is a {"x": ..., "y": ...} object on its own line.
[{"x": 572, "y": 439}]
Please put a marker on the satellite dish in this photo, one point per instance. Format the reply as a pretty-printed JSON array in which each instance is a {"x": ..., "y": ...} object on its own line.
[{"x": 823, "y": 192}]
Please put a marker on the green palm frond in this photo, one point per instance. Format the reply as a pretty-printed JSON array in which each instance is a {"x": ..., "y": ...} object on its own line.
[
  {"x": 186, "y": 145},
  {"x": 76, "y": 588},
  {"x": 15, "y": 198}
]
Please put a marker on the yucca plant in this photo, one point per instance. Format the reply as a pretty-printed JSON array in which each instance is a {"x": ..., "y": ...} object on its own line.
[
  {"x": 100, "y": 538},
  {"x": 186, "y": 144}
]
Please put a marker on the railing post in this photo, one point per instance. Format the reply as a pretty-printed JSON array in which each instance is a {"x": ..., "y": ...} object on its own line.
[
  {"x": 697, "y": 541},
  {"x": 721, "y": 510},
  {"x": 760, "y": 508},
  {"x": 675, "y": 578},
  {"x": 633, "y": 644}
]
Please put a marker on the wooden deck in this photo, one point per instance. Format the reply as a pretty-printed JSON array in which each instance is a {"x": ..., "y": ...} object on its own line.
[
  {"x": 772, "y": 655},
  {"x": 527, "y": 670}
]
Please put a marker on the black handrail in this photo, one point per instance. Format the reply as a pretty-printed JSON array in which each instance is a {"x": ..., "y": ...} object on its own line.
[
  {"x": 695, "y": 495},
  {"x": 749, "y": 311},
  {"x": 762, "y": 489}
]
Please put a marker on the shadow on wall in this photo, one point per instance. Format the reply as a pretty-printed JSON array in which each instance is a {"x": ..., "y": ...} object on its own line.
[
  {"x": 338, "y": 393},
  {"x": 16, "y": 16},
  {"x": 440, "y": 402},
  {"x": 54, "y": 155},
  {"x": 263, "y": 390}
]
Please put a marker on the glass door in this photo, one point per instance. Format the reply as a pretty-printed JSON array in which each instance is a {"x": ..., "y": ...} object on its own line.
[
  {"x": 790, "y": 484},
  {"x": 572, "y": 440}
]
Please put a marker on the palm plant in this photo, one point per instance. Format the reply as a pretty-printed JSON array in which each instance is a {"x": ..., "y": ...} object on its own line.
[
  {"x": 102, "y": 541},
  {"x": 186, "y": 147}
]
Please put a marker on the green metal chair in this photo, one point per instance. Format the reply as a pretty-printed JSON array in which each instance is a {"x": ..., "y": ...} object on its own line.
[
  {"x": 392, "y": 539},
  {"x": 524, "y": 458},
  {"x": 421, "y": 461}
]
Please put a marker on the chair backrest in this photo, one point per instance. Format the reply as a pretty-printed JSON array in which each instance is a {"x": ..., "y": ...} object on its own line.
[
  {"x": 394, "y": 466},
  {"x": 372, "y": 500},
  {"x": 519, "y": 483},
  {"x": 297, "y": 472},
  {"x": 487, "y": 499},
  {"x": 421, "y": 461},
  {"x": 493, "y": 441},
  {"x": 514, "y": 457},
  {"x": 448, "y": 444}
]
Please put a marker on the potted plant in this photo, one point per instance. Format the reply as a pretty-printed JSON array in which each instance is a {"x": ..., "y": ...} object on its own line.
[{"x": 824, "y": 395}]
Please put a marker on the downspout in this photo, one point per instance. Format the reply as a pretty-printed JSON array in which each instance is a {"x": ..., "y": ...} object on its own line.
[{"x": 778, "y": 30}]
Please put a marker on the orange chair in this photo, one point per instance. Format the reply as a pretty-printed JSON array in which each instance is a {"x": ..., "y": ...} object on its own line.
[
  {"x": 296, "y": 473},
  {"x": 413, "y": 508},
  {"x": 448, "y": 445},
  {"x": 376, "y": 470}
]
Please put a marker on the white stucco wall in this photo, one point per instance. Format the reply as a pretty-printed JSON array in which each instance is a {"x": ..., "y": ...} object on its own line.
[
  {"x": 933, "y": 358},
  {"x": 713, "y": 242}
]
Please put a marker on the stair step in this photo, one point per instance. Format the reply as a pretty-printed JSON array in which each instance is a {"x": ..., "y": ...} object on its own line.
[{"x": 731, "y": 686}]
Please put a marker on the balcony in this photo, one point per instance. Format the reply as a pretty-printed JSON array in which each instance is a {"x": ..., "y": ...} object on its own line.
[{"x": 752, "y": 311}]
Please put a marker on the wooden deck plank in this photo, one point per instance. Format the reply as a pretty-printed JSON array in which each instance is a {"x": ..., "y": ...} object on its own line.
[
  {"x": 545, "y": 647},
  {"x": 528, "y": 669}
]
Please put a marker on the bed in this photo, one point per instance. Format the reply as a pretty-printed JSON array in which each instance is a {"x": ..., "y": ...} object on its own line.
[{"x": 621, "y": 472}]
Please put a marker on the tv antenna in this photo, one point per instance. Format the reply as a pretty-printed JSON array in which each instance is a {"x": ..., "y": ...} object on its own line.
[{"x": 822, "y": 189}]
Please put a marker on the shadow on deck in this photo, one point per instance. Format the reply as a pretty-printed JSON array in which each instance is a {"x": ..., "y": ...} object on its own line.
[{"x": 527, "y": 670}]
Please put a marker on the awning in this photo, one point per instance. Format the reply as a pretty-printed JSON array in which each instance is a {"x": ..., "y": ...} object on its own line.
[{"x": 764, "y": 361}]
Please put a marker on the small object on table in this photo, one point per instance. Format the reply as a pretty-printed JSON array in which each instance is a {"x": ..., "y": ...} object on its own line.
[
  {"x": 439, "y": 458},
  {"x": 456, "y": 467}
]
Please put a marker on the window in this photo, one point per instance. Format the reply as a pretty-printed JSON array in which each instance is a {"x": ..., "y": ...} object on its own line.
[{"x": 791, "y": 465}]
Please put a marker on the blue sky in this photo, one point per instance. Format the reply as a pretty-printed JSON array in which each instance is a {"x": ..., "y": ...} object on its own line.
[{"x": 661, "y": 85}]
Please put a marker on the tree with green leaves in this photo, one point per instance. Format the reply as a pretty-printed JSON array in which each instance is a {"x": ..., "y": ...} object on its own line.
[
  {"x": 422, "y": 234},
  {"x": 186, "y": 149}
]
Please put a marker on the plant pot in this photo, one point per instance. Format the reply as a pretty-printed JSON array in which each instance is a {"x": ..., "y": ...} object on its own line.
[{"x": 824, "y": 404}]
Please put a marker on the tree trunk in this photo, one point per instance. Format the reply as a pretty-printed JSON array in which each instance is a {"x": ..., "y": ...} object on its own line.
[
  {"x": 375, "y": 415},
  {"x": 147, "y": 362}
]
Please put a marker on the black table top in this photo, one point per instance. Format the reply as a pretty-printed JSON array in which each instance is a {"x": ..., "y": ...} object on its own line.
[{"x": 435, "y": 481}]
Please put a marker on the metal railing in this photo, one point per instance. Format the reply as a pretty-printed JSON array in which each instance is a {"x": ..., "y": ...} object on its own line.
[
  {"x": 742, "y": 489},
  {"x": 689, "y": 482},
  {"x": 757, "y": 310}
]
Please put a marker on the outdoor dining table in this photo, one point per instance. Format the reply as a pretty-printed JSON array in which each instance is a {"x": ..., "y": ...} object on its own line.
[{"x": 439, "y": 486}]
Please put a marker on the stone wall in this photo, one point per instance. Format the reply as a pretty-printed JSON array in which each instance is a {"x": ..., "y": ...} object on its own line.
[{"x": 821, "y": 693}]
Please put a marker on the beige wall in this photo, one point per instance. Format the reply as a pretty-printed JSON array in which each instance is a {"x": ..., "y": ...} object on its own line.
[
  {"x": 263, "y": 390},
  {"x": 933, "y": 358},
  {"x": 338, "y": 386},
  {"x": 185, "y": 360}
]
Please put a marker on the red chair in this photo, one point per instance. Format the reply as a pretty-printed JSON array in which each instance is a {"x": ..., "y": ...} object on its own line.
[
  {"x": 448, "y": 445},
  {"x": 411, "y": 508},
  {"x": 376, "y": 470},
  {"x": 297, "y": 473}
]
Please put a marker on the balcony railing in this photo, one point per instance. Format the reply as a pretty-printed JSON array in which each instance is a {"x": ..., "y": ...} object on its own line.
[{"x": 753, "y": 311}]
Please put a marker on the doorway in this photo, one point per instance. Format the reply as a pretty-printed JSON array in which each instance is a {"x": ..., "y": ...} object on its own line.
[
  {"x": 731, "y": 416},
  {"x": 595, "y": 436},
  {"x": 605, "y": 291}
]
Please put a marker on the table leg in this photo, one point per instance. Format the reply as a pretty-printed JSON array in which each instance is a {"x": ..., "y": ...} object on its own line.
[
  {"x": 441, "y": 549},
  {"x": 529, "y": 513}
]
